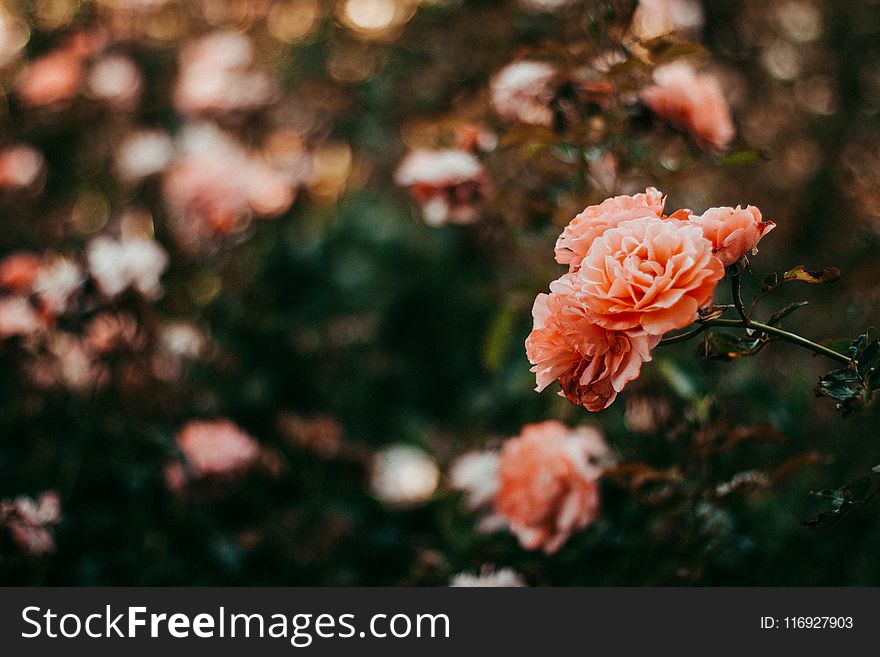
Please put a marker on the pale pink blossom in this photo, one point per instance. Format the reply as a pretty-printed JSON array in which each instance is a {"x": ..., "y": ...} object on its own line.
[
  {"x": 215, "y": 187},
  {"x": 522, "y": 91},
  {"x": 655, "y": 18},
  {"x": 142, "y": 154},
  {"x": 447, "y": 184},
  {"x": 17, "y": 317},
  {"x": 21, "y": 166},
  {"x": 117, "y": 81},
  {"x": 548, "y": 485},
  {"x": 216, "y": 447},
  {"x": 578, "y": 236},
  {"x": 591, "y": 363},
  {"x": 217, "y": 75},
  {"x": 58, "y": 283},
  {"x": 108, "y": 331},
  {"x": 691, "y": 101},
  {"x": 30, "y": 522},
  {"x": 133, "y": 262},
  {"x": 734, "y": 232},
  {"x": 648, "y": 274},
  {"x": 476, "y": 475}
]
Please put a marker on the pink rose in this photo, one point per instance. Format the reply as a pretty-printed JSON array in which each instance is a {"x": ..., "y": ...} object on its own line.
[
  {"x": 734, "y": 232},
  {"x": 591, "y": 363},
  {"x": 578, "y": 236},
  {"x": 547, "y": 486},
  {"x": 216, "y": 447},
  {"x": 691, "y": 101},
  {"x": 651, "y": 274}
]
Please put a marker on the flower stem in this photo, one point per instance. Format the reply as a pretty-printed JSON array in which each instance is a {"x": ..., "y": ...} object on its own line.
[{"x": 774, "y": 331}]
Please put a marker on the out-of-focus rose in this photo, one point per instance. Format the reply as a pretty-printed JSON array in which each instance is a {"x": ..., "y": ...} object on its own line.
[
  {"x": 30, "y": 521},
  {"x": 654, "y": 18},
  {"x": 650, "y": 274},
  {"x": 143, "y": 154},
  {"x": 20, "y": 166},
  {"x": 18, "y": 271},
  {"x": 521, "y": 92},
  {"x": 476, "y": 475},
  {"x": 447, "y": 184},
  {"x": 216, "y": 447},
  {"x": 52, "y": 79},
  {"x": 107, "y": 331},
  {"x": 591, "y": 363},
  {"x": 17, "y": 317},
  {"x": 217, "y": 76},
  {"x": 403, "y": 475},
  {"x": 117, "y": 81},
  {"x": 489, "y": 578},
  {"x": 548, "y": 482},
  {"x": 691, "y": 101},
  {"x": 134, "y": 262},
  {"x": 578, "y": 235},
  {"x": 57, "y": 283},
  {"x": 215, "y": 187},
  {"x": 734, "y": 232}
]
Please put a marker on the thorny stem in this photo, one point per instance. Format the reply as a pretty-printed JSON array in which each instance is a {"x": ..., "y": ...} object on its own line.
[
  {"x": 774, "y": 331},
  {"x": 736, "y": 292}
]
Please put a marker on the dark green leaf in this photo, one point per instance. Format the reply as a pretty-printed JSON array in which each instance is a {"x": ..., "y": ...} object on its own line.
[
  {"x": 779, "y": 315},
  {"x": 724, "y": 346}
]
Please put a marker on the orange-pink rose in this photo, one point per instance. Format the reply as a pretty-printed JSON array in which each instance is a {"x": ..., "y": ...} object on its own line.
[
  {"x": 547, "y": 483},
  {"x": 734, "y": 232},
  {"x": 691, "y": 101},
  {"x": 650, "y": 274},
  {"x": 216, "y": 447},
  {"x": 591, "y": 363},
  {"x": 578, "y": 236}
]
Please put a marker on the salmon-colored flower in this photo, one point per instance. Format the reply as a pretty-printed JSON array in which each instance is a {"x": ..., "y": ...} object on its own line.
[
  {"x": 216, "y": 447},
  {"x": 653, "y": 274},
  {"x": 18, "y": 271},
  {"x": 591, "y": 363},
  {"x": 691, "y": 101},
  {"x": 578, "y": 236},
  {"x": 734, "y": 232},
  {"x": 547, "y": 485}
]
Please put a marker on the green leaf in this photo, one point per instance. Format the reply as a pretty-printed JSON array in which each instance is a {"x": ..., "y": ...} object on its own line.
[
  {"x": 498, "y": 337},
  {"x": 529, "y": 134},
  {"x": 801, "y": 273},
  {"x": 740, "y": 158}
]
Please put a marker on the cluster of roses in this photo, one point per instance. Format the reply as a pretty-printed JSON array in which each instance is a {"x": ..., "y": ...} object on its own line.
[{"x": 634, "y": 274}]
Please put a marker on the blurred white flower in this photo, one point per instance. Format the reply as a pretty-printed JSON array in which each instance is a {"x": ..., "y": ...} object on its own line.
[
  {"x": 57, "y": 283},
  {"x": 654, "y": 18},
  {"x": 116, "y": 80},
  {"x": 135, "y": 262},
  {"x": 489, "y": 578},
  {"x": 521, "y": 92},
  {"x": 20, "y": 166},
  {"x": 403, "y": 475},
  {"x": 17, "y": 317},
  {"x": 475, "y": 474},
  {"x": 143, "y": 154}
]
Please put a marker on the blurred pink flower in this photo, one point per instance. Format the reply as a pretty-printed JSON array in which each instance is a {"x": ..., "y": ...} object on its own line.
[
  {"x": 522, "y": 91},
  {"x": 17, "y": 317},
  {"x": 577, "y": 237},
  {"x": 217, "y": 76},
  {"x": 216, "y": 447},
  {"x": 107, "y": 331},
  {"x": 691, "y": 101},
  {"x": 134, "y": 262},
  {"x": 591, "y": 363},
  {"x": 30, "y": 521},
  {"x": 142, "y": 154},
  {"x": 734, "y": 232},
  {"x": 648, "y": 274},
  {"x": 215, "y": 187},
  {"x": 548, "y": 482},
  {"x": 18, "y": 271},
  {"x": 448, "y": 184},
  {"x": 117, "y": 81},
  {"x": 21, "y": 166},
  {"x": 654, "y": 18},
  {"x": 52, "y": 79},
  {"x": 57, "y": 284}
]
